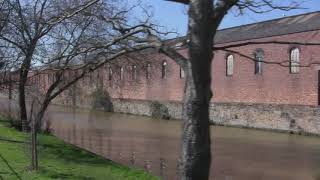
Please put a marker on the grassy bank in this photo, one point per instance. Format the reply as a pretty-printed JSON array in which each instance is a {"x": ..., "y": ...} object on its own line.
[{"x": 58, "y": 160}]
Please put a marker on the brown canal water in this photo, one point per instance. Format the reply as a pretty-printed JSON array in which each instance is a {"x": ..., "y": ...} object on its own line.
[{"x": 153, "y": 144}]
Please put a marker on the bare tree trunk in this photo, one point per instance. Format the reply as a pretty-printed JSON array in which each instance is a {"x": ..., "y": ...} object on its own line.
[
  {"x": 34, "y": 153},
  {"x": 74, "y": 95},
  {"x": 34, "y": 131},
  {"x": 10, "y": 98},
  {"x": 34, "y": 149},
  {"x": 196, "y": 152},
  {"x": 10, "y": 87},
  {"x": 22, "y": 96},
  {"x": 22, "y": 106}
]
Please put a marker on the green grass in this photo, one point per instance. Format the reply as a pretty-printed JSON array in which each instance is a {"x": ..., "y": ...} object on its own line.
[{"x": 58, "y": 160}]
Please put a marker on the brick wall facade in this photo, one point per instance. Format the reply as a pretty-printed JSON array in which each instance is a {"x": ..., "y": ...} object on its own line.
[
  {"x": 275, "y": 99},
  {"x": 276, "y": 85}
]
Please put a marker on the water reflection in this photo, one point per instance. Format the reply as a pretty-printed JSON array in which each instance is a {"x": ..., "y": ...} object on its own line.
[{"x": 153, "y": 145}]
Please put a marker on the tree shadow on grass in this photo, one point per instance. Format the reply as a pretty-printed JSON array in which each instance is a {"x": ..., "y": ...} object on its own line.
[
  {"x": 10, "y": 167},
  {"x": 56, "y": 175},
  {"x": 73, "y": 154}
]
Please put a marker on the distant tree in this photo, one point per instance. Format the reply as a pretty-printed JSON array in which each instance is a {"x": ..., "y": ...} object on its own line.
[
  {"x": 4, "y": 13},
  {"x": 94, "y": 34},
  {"x": 24, "y": 29}
]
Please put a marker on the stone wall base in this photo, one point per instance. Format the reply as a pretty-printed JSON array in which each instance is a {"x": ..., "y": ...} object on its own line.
[{"x": 289, "y": 118}]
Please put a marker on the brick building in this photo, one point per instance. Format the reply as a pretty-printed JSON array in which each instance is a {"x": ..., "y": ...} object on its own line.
[
  {"x": 287, "y": 73},
  {"x": 262, "y": 84},
  {"x": 263, "y": 72}
]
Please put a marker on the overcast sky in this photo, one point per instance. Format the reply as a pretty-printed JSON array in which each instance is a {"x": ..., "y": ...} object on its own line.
[{"x": 173, "y": 15}]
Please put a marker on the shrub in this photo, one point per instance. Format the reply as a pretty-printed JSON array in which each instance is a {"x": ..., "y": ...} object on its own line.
[
  {"x": 102, "y": 100},
  {"x": 159, "y": 110}
]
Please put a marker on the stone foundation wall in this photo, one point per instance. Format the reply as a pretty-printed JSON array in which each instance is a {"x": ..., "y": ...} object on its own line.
[
  {"x": 290, "y": 118},
  {"x": 140, "y": 107}
]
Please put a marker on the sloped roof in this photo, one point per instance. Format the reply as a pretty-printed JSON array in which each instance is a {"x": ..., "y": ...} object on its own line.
[{"x": 275, "y": 27}]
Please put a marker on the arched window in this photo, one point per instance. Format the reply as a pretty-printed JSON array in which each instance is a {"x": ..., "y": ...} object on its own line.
[
  {"x": 294, "y": 60},
  {"x": 54, "y": 77},
  {"x": 229, "y": 68},
  {"x": 148, "y": 70},
  {"x": 90, "y": 77},
  {"x": 259, "y": 58},
  {"x": 121, "y": 72},
  {"x": 134, "y": 72},
  {"x": 71, "y": 74},
  {"x": 110, "y": 73},
  {"x": 182, "y": 75},
  {"x": 38, "y": 79},
  {"x": 50, "y": 78},
  {"x": 164, "y": 70},
  {"x": 98, "y": 73}
]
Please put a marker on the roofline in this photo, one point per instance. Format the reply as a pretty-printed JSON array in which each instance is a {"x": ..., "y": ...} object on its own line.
[
  {"x": 277, "y": 19},
  {"x": 268, "y": 36},
  {"x": 244, "y": 25}
]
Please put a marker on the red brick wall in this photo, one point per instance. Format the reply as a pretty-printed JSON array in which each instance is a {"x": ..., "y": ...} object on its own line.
[
  {"x": 154, "y": 88},
  {"x": 276, "y": 85}
]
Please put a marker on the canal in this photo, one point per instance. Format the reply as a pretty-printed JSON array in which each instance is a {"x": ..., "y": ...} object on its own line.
[{"x": 153, "y": 144}]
